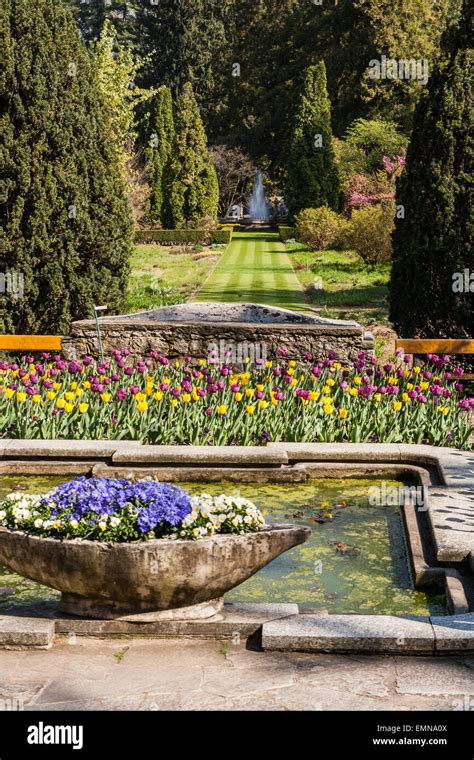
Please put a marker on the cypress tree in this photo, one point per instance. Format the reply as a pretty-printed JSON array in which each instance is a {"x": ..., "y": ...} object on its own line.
[
  {"x": 65, "y": 224},
  {"x": 194, "y": 192},
  {"x": 434, "y": 240},
  {"x": 158, "y": 155},
  {"x": 312, "y": 174}
]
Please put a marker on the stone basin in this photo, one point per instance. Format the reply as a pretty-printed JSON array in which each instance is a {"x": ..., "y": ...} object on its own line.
[{"x": 160, "y": 579}]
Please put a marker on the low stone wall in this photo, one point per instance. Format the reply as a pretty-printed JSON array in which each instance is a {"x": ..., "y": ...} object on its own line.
[{"x": 198, "y": 339}]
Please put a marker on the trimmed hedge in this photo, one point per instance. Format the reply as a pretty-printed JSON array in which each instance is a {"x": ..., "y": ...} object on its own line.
[
  {"x": 175, "y": 237},
  {"x": 286, "y": 233}
]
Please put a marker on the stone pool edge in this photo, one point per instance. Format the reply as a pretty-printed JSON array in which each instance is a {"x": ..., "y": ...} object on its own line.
[{"x": 276, "y": 626}]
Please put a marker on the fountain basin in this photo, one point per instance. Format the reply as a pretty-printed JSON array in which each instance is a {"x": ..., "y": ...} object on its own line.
[{"x": 160, "y": 579}]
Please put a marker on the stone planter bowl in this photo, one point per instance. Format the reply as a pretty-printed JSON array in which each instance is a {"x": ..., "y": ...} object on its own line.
[{"x": 160, "y": 579}]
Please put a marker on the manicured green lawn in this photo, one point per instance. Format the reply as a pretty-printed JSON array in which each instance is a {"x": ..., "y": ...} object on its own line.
[
  {"x": 160, "y": 277},
  {"x": 351, "y": 289},
  {"x": 257, "y": 269}
]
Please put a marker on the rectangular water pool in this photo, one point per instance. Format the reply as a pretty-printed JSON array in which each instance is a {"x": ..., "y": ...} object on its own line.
[{"x": 356, "y": 559}]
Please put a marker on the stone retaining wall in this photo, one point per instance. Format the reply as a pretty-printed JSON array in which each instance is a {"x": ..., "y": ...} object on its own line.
[{"x": 176, "y": 339}]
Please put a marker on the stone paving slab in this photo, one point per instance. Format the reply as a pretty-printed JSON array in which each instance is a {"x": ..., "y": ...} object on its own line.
[
  {"x": 132, "y": 453},
  {"x": 18, "y": 632},
  {"x": 209, "y": 675},
  {"x": 235, "y": 620},
  {"x": 349, "y": 633},
  {"x": 60, "y": 448},
  {"x": 454, "y": 633},
  {"x": 339, "y": 452},
  {"x": 451, "y": 519}
]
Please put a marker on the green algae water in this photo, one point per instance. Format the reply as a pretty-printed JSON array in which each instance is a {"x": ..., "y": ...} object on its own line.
[{"x": 354, "y": 561}]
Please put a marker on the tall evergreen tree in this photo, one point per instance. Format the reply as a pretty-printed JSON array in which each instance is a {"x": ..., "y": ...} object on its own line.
[
  {"x": 434, "y": 240},
  {"x": 195, "y": 192},
  {"x": 160, "y": 137},
  {"x": 186, "y": 41},
  {"x": 312, "y": 173},
  {"x": 65, "y": 224}
]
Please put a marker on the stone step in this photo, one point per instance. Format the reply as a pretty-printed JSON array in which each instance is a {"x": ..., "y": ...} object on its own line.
[
  {"x": 25, "y": 633},
  {"x": 366, "y": 634}
]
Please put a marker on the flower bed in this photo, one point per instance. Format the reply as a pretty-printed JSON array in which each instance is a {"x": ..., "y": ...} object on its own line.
[
  {"x": 107, "y": 509},
  {"x": 155, "y": 400}
]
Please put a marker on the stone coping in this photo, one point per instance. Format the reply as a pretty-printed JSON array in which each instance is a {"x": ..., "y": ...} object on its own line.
[{"x": 275, "y": 627}]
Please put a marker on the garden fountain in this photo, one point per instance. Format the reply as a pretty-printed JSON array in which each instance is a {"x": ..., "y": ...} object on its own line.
[{"x": 258, "y": 205}]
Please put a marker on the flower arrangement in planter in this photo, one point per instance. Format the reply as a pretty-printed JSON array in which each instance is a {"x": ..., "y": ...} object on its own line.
[
  {"x": 112, "y": 510},
  {"x": 158, "y": 401},
  {"x": 143, "y": 551}
]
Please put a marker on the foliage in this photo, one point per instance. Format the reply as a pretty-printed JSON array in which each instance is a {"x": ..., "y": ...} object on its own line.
[
  {"x": 161, "y": 402},
  {"x": 117, "y": 70},
  {"x": 187, "y": 235},
  {"x": 369, "y": 232},
  {"x": 65, "y": 219},
  {"x": 434, "y": 240},
  {"x": 194, "y": 188},
  {"x": 318, "y": 228},
  {"x": 312, "y": 174},
  {"x": 365, "y": 144},
  {"x": 158, "y": 155},
  {"x": 286, "y": 233}
]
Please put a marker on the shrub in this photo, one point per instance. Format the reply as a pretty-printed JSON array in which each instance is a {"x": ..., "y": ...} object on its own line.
[
  {"x": 318, "y": 228},
  {"x": 175, "y": 237},
  {"x": 369, "y": 233},
  {"x": 221, "y": 237},
  {"x": 286, "y": 233}
]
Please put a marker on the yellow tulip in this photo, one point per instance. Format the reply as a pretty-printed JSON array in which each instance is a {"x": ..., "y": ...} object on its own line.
[
  {"x": 330, "y": 382},
  {"x": 9, "y": 393},
  {"x": 238, "y": 396},
  {"x": 158, "y": 395},
  {"x": 68, "y": 407},
  {"x": 397, "y": 405},
  {"x": 21, "y": 396},
  {"x": 405, "y": 397},
  {"x": 290, "y": 371},
  {"x": 250, "y": 392},
  {"x": 79, "y": 391},
  {"x": 83, "y": 408},
  {"x": 263, "y": 404},
  {"x": 174, "y": 401},
  {"x": 57, "y": 386},
  {"x": 69, "y": 396},
  {"x": 343, "y": 413},
  {"x": 222, "y": 409},
  {"x": 353, "y": 391},
  {"x": 86, "y": 384},
  {"x": 106, "y": 397},
  {"x": 268, "y": 364},
  {"x": 357, "y": 380},
  {"x": 36, "y": 398},
  {"x": 328, "y": 409},
  {"x": 73, "y": 386},
  {"x": 51, "y": 395},
  {"x": 314, "y": 395},
  {"x": 250, "y": 409},
  {"x": 260, "y": 387},
  {"x": 417, "y": 370},
  {"x": 142, "y": 406},
  {"x": 377, "y": 397},
  {"x": 409, "y": 386},
  {"x": 326, "y": 390},
  {"x": 60, "y": 403},
  {"x": 186, "y": 398}
]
